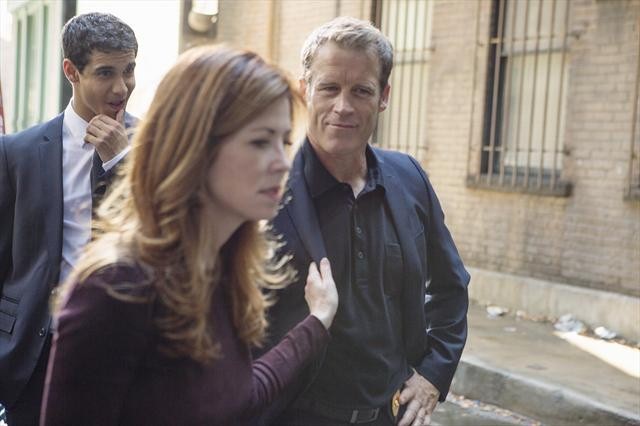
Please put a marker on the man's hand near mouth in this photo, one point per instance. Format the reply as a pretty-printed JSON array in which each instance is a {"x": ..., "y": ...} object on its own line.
[{"x": 108, "y": 136}]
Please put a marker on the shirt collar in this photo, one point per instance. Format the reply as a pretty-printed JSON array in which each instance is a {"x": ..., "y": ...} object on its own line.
[
  {"x": 320, "y": 180},
  {"x": 75, "y": 124}
]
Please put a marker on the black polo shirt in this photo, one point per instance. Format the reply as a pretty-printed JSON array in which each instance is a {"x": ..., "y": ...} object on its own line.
[{"x": 365, "y": 361}]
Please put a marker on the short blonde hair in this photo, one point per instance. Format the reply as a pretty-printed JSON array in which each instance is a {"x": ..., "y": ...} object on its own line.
[{"x": 349, "y": 33}]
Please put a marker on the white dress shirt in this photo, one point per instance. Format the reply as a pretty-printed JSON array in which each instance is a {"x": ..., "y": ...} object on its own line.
[{"x": 77, "y": 160}]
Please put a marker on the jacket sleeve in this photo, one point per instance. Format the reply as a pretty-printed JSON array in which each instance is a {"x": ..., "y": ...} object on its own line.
[
  {"x": 281, "y": 365},
  {"x": 89, "y": 373},
  {"x": 446, "y": 300}
]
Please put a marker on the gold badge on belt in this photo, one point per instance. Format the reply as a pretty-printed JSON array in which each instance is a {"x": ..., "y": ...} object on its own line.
[{"x": 395, "y": 404}]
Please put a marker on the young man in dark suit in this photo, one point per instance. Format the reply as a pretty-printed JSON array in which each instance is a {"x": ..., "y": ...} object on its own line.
[
  {"x": 51, "y": 176},
  {"x": 401, "y": 323}
]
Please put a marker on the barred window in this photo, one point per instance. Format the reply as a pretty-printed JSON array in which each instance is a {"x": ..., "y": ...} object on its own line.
[
  {"x": 522, "y": 147},
  {"x": 407, "y": 23}
]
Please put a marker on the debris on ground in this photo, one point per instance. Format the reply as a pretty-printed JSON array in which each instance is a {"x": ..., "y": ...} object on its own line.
[
  {"x": 496, "y": 311},
  {"x": 604, "y": 333},
  {"x": 568, "y": 323},
  {"x": 523, "y": 315}
]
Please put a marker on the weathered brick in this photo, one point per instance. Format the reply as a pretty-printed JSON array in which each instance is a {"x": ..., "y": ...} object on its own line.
[{"x": 591, "y": 238}]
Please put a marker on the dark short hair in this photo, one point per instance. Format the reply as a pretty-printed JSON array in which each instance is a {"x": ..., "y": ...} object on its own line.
[{"x": 83, "y": 34}]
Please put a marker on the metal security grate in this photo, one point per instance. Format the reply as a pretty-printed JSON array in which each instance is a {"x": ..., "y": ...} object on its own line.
[
  {"x": 522, "y": 145},
  {"x": 407, "y": 23}
]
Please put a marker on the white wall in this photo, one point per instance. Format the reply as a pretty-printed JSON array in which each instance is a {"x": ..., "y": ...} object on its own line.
[{"x": 157, "y": 27}]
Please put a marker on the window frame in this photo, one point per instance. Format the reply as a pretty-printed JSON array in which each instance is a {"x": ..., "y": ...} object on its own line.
[
  {"x": 493, "y": 171},
  {"x": 36, "y": 28},
  {"x": 633, "y": 177}
]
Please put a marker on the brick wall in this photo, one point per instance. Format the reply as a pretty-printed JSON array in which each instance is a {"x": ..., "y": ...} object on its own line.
[
  {"x": 602, "y": 234},
  {"x": 591, "y": 238},
  {"x": 246, "y": 24},
  {"x": 277, "y": 28}
]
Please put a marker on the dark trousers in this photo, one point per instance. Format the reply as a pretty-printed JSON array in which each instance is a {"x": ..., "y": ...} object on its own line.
[{"x": 26, "y": 410}]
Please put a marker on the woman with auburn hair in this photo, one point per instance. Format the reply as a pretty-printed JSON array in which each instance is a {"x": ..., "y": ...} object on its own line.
[{"x": 156, "y": 324}]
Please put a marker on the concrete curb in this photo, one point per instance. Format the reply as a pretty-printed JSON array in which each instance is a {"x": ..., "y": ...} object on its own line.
[
  {"x": 549, "y": 299},
  {"x": 550, "y": 404}
]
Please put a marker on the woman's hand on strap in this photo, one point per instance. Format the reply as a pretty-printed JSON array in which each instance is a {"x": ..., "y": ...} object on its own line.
[{"x": 321, "y": 293}]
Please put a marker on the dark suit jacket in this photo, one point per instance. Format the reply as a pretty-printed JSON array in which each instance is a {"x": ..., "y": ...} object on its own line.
[
  {"x": 434, "y": 331},
  {"x": 31, "y": 209}
]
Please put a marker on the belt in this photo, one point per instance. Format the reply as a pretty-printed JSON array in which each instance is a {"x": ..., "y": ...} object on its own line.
[{"x": 330, "y": 411}]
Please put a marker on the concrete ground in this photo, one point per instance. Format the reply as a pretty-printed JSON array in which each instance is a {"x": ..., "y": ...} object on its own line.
[
  {"x": 460, "y": 411},
  {"x": 556, "y": 378}
]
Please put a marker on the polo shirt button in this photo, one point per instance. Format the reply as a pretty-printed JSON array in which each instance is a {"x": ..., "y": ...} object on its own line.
[
  {"x": 42, "y": 332},
  {"x": 360, "y": 255},
  {"x": 358, "y": 230}
]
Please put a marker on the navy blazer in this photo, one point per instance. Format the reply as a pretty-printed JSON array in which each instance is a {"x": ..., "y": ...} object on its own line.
[
  {"x": 31, "y": 211},
  {"x": 434, "y": 280}
]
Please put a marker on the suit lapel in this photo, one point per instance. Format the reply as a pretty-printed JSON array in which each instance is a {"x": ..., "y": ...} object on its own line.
[
  {"x": 299, "y": 207},
  {"x": 50, "y": 166}
]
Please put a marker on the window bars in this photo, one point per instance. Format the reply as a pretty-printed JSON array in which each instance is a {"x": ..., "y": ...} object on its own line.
[
  {"x": 407, "y": 23},
  {"x": 525, "y": 102}
]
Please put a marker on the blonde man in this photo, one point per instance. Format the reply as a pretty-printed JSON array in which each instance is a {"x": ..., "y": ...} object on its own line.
[{"x": 401, "y": 325}]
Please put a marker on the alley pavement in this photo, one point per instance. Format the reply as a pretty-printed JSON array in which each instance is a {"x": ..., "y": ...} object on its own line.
[
  {"x": 557, "y": 378},
  {"x": 460, "y": 411}
]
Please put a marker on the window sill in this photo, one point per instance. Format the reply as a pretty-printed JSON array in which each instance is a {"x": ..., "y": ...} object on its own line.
[{"x": 560, "y": 189}]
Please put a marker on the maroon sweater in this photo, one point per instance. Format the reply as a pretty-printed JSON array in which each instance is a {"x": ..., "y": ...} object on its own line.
[{"x": 105, "y": 369}]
